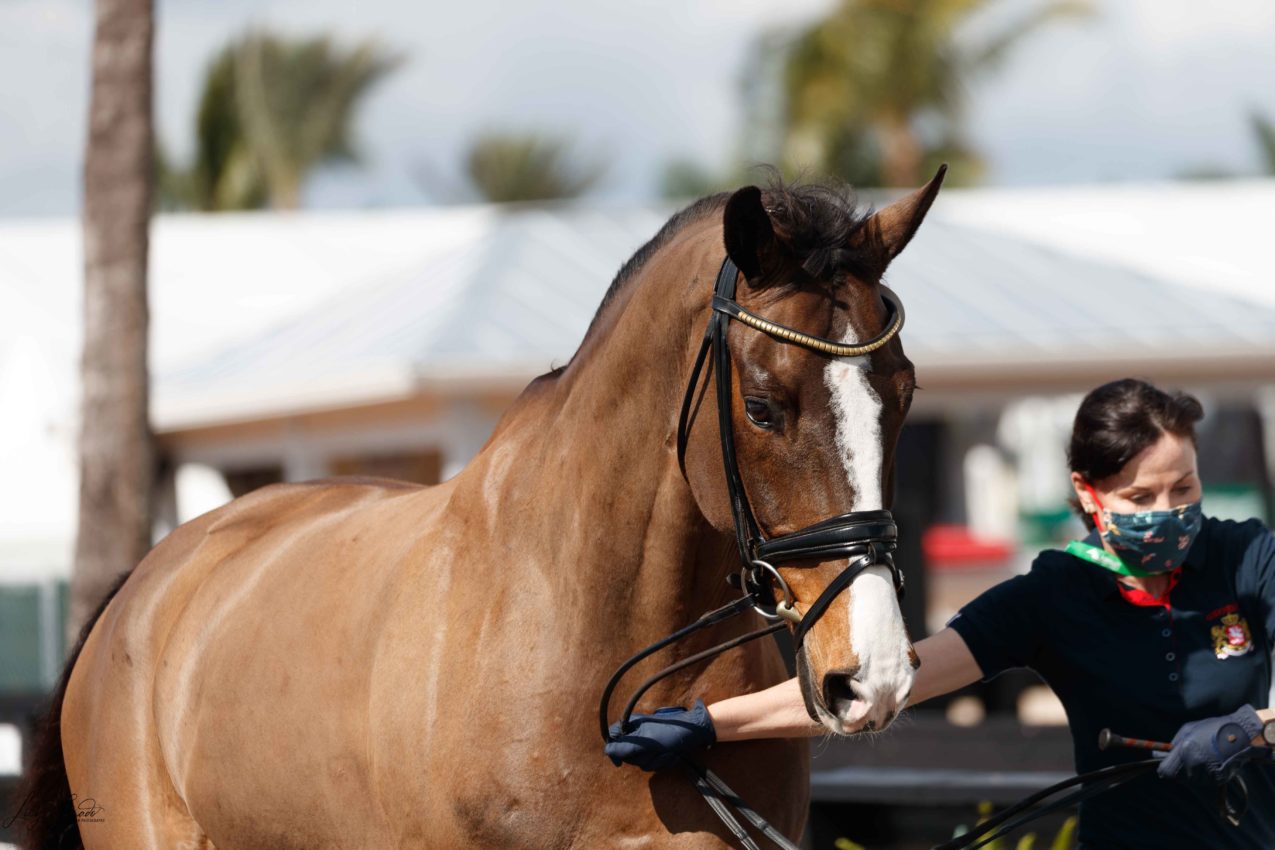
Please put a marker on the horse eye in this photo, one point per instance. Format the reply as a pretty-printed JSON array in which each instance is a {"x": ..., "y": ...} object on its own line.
[{"x": 759, "y": 412}]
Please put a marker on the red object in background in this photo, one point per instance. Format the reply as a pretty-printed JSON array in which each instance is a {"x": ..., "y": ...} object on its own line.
[{"x": 953, "y": 547}]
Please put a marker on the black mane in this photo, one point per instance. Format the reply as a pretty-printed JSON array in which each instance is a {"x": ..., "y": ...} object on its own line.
[{"x": 686, "y": 216}]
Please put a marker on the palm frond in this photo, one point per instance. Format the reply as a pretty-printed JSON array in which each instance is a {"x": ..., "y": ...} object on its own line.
[
  {"x": 507, "y": 167},
  {"x": 999, "y": 46}
]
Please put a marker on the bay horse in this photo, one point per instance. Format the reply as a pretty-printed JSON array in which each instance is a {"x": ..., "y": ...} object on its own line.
[{"x": 361, "y": 663}]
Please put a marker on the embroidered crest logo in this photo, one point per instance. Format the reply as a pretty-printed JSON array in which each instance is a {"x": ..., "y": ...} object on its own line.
[{"x": 1231, "y": 637}]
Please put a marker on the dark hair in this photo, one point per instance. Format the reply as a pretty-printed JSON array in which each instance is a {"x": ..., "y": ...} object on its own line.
[
  {"x": 818, "y": 223},
  {"x": 1118, "y": 421}
]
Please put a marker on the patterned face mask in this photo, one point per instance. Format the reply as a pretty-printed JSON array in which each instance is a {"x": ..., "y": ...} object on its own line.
[{"x": 1150, "y": 541}]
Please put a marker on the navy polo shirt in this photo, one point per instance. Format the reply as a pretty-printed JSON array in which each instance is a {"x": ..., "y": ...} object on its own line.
[{"x": 1143, "y": 671}]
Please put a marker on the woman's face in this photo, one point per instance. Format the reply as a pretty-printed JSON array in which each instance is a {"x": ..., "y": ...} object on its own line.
[{"x": 1163, "y": 476}]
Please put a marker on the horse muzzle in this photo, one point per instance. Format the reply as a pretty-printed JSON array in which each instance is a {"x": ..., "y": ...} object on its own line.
[
  {"x": 858, "y": 667},
  {"x": 854, "y": 705}
]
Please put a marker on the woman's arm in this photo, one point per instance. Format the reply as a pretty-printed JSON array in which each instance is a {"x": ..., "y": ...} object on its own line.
[
  {"x": 777, "y": 712},
  {"x": 946, "y": 665},
  {"x": 780, "y": 711}
]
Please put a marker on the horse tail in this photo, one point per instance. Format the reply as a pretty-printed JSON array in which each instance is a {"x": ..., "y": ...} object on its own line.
[{"x": 46, "y": 808}]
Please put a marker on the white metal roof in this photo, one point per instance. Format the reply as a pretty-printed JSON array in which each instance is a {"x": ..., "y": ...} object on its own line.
[
  {"x": 1211, "y": 235},
  {"x": 510, "y": 297},
  {"x": 513, "y": 297}
]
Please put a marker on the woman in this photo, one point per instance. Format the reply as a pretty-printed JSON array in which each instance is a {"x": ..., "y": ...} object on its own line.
[{"x": 1159, "y": 624}]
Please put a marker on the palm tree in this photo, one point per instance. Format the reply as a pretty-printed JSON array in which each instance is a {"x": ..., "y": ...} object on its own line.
[
  {"x": 115, "y": 444},
  {"x": 507, "y": 167},
  {"x": 272, "y": 110},
  {"x": 860, "y": 84}
]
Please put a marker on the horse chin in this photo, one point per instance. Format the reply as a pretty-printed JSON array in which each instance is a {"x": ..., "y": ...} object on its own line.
[{"x": 851, "y": 717}]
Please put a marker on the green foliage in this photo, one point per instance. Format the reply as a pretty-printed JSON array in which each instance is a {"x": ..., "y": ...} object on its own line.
[
  {"x": 1263, "y": 136},
  {"x": 506, "y": 167},
  {"x": 1205, "y": 172},
  {"x": 1064, "y": 840},
  {"x": 876, "y": 89},
  {"x": 1264, "y": 129},
  {"x": 1066, "y": 837},
  {"x": 271, "y": 110},
  {"x": 683, "y": 178},
  {"x": 174, "y": 186}
]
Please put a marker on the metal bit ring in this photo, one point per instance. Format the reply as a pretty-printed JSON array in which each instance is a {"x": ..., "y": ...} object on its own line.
[{"x": 785, "y": 609}]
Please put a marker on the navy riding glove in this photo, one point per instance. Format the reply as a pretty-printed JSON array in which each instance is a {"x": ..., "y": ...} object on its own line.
[
  {"x": 1214, "y": 748},
  {"x": 658, "y": 741}
]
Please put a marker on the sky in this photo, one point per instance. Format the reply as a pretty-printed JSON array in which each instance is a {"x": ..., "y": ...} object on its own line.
[{"x": 1143, "y": 90}]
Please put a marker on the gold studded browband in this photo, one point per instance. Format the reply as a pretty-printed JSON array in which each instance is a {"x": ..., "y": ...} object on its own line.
[{"x": 894, "y": 323}]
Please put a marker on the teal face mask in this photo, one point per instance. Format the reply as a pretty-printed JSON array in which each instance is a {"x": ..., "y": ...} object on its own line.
[{"x": 1152, "y": 542}]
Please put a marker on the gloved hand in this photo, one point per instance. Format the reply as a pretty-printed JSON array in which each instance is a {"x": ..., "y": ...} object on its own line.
[
  {"x": 1214, "y": 748},
  {"x": 656, "y": 741}
]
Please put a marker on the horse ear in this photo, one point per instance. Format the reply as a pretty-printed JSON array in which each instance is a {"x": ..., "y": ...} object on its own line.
[
  {"x": 750, "y": 239},
  {"x": 888, "y": 231}
]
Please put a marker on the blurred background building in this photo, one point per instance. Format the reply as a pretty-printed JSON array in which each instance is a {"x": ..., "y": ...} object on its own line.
[{"x": 369, "y": 246}]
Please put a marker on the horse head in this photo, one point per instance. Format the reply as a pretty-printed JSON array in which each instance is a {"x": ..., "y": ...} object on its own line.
[{"x": 814, "y": 433}]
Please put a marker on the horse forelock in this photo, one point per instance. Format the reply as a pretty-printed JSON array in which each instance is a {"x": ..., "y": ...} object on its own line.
[{"x": 816, "y": 223}]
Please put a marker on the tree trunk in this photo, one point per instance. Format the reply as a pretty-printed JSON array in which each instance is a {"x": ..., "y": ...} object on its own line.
[
  {"x": 116, "y": 447},
  {"x": 901, "y": 152}
]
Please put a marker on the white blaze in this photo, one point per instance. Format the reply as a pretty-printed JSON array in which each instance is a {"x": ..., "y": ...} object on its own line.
[
  {"x": 877, "y": 634},
  {"x": 858, "y": 413}
]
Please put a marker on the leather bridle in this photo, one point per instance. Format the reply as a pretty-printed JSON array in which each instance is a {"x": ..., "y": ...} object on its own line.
[{"x": 866, "y": 538}]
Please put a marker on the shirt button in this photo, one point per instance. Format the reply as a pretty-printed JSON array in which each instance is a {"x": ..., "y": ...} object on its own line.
[
  {"x": 1166, "y": 633},
  {"x": 1169, "y": 656},
  {"x": 1173, "y": 677}
]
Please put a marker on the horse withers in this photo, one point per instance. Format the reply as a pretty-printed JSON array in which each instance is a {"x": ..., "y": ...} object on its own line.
[{"x": 372, "y": 664}]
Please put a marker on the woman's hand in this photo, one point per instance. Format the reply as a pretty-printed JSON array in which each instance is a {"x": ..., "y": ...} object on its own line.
[
  {"x": 658, "y": 741},
  {"x": 1214, "y": 748}
]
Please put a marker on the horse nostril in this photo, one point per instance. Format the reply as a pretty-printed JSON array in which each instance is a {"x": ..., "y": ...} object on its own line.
[{"x": 837, "y": 688}]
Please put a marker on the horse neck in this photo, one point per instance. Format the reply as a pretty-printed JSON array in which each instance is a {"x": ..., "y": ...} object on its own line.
[{"x": 594, "y": 463}]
